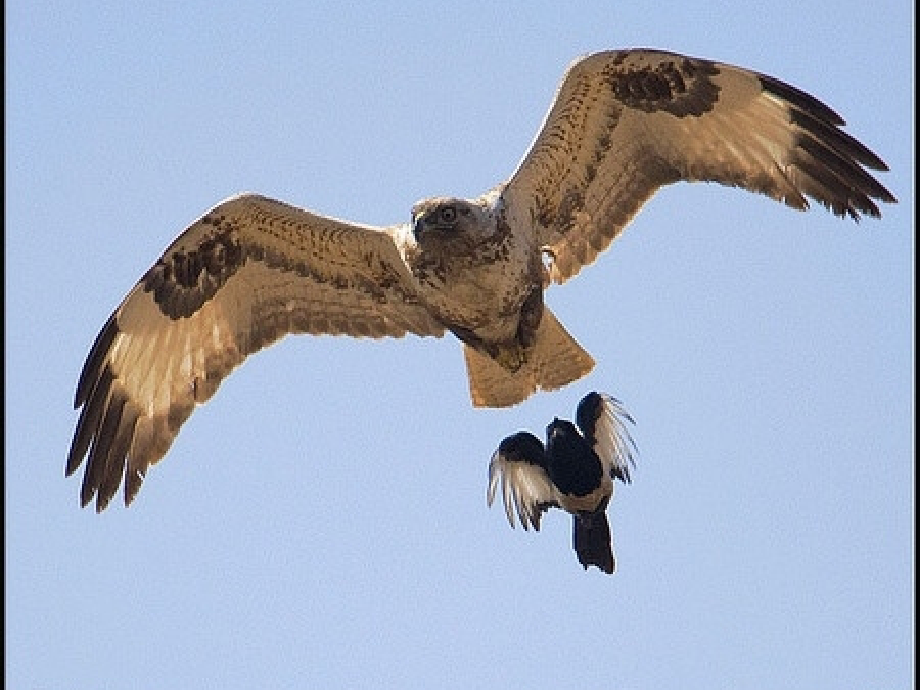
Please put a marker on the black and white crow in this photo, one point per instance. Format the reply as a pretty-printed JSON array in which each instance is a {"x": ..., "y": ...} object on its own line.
[{"x": 573, "y": 471}]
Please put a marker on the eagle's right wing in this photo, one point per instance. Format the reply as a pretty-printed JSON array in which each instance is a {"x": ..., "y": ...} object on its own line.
[{"x": 625, "y": 123}]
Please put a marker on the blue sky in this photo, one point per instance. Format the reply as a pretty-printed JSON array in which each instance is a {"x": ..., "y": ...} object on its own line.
[{"x": 322, "y": 521}]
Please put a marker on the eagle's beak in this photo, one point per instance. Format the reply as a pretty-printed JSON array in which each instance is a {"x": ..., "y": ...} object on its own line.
[{"x": 418, "y": 225}]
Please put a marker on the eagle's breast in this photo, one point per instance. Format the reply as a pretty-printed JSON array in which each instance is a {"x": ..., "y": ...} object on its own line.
[{"x": 476, "y": 275}]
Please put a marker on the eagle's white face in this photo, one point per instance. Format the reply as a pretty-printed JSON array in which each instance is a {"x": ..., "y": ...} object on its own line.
[{"x": 440, "y": 221}]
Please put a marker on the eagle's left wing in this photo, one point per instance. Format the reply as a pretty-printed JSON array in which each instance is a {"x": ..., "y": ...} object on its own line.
[
  {"x": 625, "y": 123},
  {"x": 603, "y": 421},
  {"x": 248, "y": 272}
]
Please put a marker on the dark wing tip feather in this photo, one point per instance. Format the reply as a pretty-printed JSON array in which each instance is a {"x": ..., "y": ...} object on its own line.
[
  {"x": 95, "y": 360},
  {"x": 94, "y": 406},
  {"x": 133, "y": 479},
  {"x": 117, "y": 456},
  {"x": 100, "y": 451},
  {"x": 105, "y": 429},
  {"x": 801, "y": 100},
  {"x": 831, "y": 160}
]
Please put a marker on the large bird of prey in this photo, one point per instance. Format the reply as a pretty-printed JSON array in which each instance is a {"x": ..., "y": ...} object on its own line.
[
  {"x": 252, "y": 269},
  {"x": 573, "y": 471}
]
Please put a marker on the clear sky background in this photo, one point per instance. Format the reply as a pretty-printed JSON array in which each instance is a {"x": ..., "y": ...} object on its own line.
[{"x": 322, "y": 521}]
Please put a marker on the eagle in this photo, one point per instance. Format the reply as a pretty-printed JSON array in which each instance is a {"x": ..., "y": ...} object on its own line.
[
  {"x": 573, "y": 471},
  {"x": 252, "y": 269}
]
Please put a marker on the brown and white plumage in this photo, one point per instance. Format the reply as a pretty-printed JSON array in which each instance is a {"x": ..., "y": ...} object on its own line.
[{"x": 252, "y": 269}]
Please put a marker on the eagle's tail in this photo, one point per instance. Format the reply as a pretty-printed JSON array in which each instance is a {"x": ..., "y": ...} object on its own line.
[
  {"x": 591, "y": 539},
  {"x": 555, "y": 360}
]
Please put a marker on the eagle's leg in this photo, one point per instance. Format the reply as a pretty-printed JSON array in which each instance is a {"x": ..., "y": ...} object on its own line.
[
  {"x": 529, "y": 322},
  {"x": 514, "y": 353},
  {"x": 510, "y": 355}
]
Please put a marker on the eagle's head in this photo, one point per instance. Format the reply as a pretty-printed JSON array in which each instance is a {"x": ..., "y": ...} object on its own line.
[{"x": 451, "y": 221}]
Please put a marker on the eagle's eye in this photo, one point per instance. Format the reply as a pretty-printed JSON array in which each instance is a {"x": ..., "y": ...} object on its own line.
[{"x": 447, "y": 215}]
